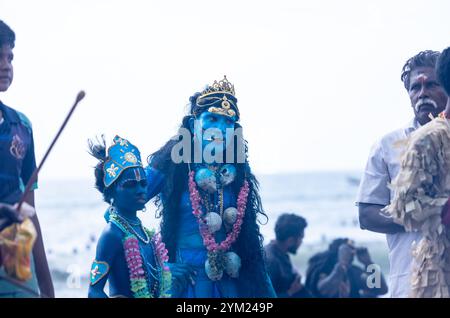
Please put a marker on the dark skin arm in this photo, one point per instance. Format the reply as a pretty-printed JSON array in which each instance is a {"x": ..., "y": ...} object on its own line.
[
  {"x": 295, "y": 287},
  {"x": 42, "y": 270},
  {"x": 373, "y": 219},
  {"x": 274, "y": 271},
  {"x": 330, "y": 285}
]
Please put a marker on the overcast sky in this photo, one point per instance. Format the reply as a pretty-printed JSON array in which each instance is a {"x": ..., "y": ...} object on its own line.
[{"x": 317, "y": 81}]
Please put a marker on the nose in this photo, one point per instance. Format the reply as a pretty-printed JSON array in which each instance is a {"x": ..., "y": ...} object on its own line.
[
  {"x": 423, "y": 87},
  {"x": 5, "y": 65},
  {"x": 224, "y": 125},
  {"x": 140, "y": 189},
  {"x": 423, "y": 92}
]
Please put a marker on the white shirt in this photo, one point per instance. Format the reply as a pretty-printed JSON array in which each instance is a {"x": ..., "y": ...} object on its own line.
[{"x": 382, "y": 167}]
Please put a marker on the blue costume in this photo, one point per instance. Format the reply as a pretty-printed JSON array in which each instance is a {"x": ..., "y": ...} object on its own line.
[
  {"x": 237, "y": 270},
  {"x": 128, "y": 255},
  {"x": 190, "y": 248}
]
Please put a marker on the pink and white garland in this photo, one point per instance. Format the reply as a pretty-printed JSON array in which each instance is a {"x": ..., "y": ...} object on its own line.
[
  {"x": 138, "y": 280},
  {"x": 134, "y": 261},
  {"x": 208, "y": 238},
  {"x": 161, "y": 251}
]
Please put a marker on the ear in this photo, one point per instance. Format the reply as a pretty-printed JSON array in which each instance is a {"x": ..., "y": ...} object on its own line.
[
  {"x": 289, "y": 241},
  {"x": 109, "y": 194}
]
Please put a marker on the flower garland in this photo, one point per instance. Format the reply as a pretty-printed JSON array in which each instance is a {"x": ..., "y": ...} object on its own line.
[
  {"x": 161, "y": 251},
  {"x": 208, "y": 238},
  {"x": 138, "y": 277},
  {"x": 133, "y": 257}
]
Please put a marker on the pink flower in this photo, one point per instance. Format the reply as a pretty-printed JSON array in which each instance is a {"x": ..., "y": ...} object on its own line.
[{"x": 208, "y": 238}]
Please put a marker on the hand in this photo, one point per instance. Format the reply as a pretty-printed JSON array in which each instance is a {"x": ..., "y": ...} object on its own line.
[
  {"x": 345, "y": 255},
  {"x": 344, "y": 289},
  {"x": 26, "y": 210},
  {"x": 296, "y": 285},
  {"x": 182, "y": 275},
  {"x": 8, "y": 216},
  {"x": 363, "y": 256}
]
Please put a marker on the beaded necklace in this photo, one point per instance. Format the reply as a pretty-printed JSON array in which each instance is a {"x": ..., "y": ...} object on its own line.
[
  {"x": 139, "y": 277},
  {"x": 219, "y": 259},
  {"x": 125, "y": 223}
]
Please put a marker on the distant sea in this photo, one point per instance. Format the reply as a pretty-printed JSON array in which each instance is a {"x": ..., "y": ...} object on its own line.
[{"x": 71, "y": 217}]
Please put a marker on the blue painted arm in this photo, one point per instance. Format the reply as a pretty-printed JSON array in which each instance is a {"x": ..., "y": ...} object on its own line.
[
  {"x": 155, "y": 181},
  {"x": 109, "y": 243}
]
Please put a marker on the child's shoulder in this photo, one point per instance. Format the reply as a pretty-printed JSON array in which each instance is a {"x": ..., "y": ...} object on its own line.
[{"x": 111, "y": 232}]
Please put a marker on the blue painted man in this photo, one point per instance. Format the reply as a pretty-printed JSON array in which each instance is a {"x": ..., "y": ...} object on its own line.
[{"x": 209, "y": 200}]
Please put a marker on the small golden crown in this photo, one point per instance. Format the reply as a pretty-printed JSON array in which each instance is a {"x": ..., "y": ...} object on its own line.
[{"x": 222, "y": 86}]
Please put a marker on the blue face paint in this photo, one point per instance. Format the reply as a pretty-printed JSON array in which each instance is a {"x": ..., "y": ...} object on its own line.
[
  {"x": 130, "y": 193},
  {"x": 212, "y": 128}
]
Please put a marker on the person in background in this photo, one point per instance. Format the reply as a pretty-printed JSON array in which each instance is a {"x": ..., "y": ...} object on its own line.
[
  {"x": 289, "y": 233},
  {"x": 331, "y": 274}
]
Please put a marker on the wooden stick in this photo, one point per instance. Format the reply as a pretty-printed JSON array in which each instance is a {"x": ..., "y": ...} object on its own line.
[{"x": 33, "y": 178}]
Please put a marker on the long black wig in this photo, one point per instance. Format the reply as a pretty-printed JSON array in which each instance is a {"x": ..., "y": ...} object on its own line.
[{"x": 249, "y": 244}]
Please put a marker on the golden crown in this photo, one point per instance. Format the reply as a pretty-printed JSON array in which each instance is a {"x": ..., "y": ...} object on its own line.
[
  {"x": 219, "y": 105},
  {"x": 222, "y": 86}
]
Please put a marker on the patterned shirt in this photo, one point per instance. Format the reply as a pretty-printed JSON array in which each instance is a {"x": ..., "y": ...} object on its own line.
[
  {"x": 17, "y": 163},
  {"x": 17, "y": 160}
]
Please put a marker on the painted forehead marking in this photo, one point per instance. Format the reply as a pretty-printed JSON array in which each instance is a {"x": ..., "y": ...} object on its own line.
[
  {"x": 138, "y": 174},
  {"x": 421, "y": 77}
]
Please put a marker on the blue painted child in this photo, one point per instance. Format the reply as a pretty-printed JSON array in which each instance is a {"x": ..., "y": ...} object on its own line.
[{"x": 129, "y": 256}]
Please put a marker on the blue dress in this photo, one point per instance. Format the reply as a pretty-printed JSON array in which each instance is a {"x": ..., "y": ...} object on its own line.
[{"x": 191, "y": 250}]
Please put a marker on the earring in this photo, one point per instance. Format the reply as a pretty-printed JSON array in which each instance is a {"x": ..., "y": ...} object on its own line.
[
  {"x": 144, "y": 209},
  {"x": 112, "y": 209}
]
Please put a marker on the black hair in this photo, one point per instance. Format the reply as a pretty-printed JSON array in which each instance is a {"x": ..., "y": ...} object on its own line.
[
  {"x": 289, "y": 225},
  {"x": 249, "y": 244},
  {"x": 443, "y": 70},
  {"x": 426, "y": 58},
  {"x": 7, "y": 35},
  {"x": 97, "y": 149}
]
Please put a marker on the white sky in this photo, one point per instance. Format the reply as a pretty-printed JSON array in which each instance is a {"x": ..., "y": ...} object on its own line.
[{"x": 317, "y": 81}]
